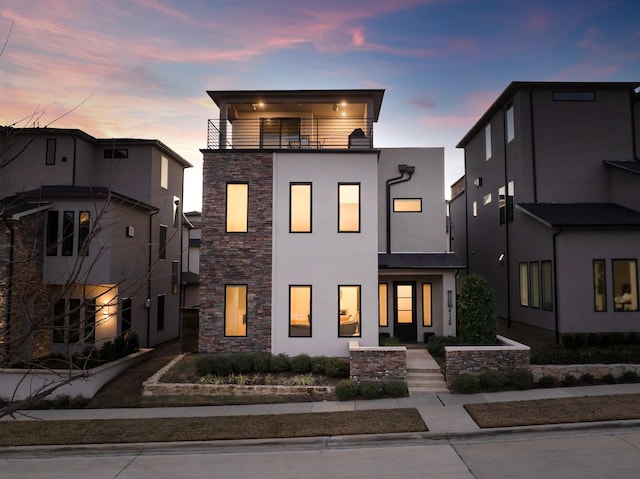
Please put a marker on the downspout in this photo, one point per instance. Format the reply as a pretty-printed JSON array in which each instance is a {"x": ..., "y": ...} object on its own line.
[
  {"x": 506, "y": 217},
  {"x": 555, "y": 286},
  {"x": 533, "y": 148},
  {"x": 7, "y": 323},
  {"x": 148, "y": 302},
  {"x": 395, "y": 181}
]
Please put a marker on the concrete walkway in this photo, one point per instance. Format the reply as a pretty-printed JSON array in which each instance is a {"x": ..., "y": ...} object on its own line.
[{"x": 443, "y": 413}]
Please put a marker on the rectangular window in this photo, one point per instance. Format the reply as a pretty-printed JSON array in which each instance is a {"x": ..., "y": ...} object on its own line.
[
  {"x": 300, "y": 311},
  {"x": 486, "y": 199},
  {"x": 511, "y": 133},
  {"x": 174, "y": 277},
  {"x": 300, "y": 207},
  {"x": 407, "y": 205},
  {"x": 52, "y": 233},
  {"x": 349, "y": 310},
  {"x": 524, "y": 284},
  {"x": 547, "y": 285},
  {"x": 116, "y": 153},
  {"x": 426, "y": 304},
  {"x": 237, "y": 207},
  {"x": 534, "y": 284},
  {"x": 383, "y": 319},
  {"x": 599, "y": 286},
  {"x": 502, "y": 204},
  {"x": 349, "y": 207},
  {"x": 126, "y": 315},
  {"x": 235, "y": 310},
  {"x": 511, "y": 191},
  {"x": 574, "y": 96},
  {"x": 625, "y": 284},
  {"x": 162, "y": 242},
  {"x": 74, "y": 321},
  {"x": 68, "y": 218},
  {"x": 161, "y": 312},
  {"x": 83, "y": 232},
  {"x": 487, "y": 142},
  {"x": 58, "y": 321},
  {"x": 164, "y": 172},
  {"x": 176, "y": 211},
  {"x": 405, "y": 303},
  {"x": 90, "y": 321},
  {"x": 51, "y": 152},
  {"x": 475, "y": 208}
]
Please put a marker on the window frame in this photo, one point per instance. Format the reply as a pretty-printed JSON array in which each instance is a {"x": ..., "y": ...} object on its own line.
[
  {"x": 68, "y": 227},
  {"x": 245, "y": 288},
  {"x": 84, "y": 229},
  {"x": 632, "y": 285},
  {"x": 399, "y": 200},
  {"x": 358, "y": 331},
  {"x": 244, "y": 212},
  {"x": 175, "y": 276},
  {"x": 383, "y": 323},
  {"x": 534, "y": 284},
  {"x": 510, "y": 121},
  {"x": 546, "y": 275},
  {"x": 292, "y": 185},
  {"x": 599, "y": 284},
  {"x": 359, "y": 209},
  {"x": 488, "y": 153},
  {"x": 309, "y": 287},
  {"x": 523, "y": 269},
  {"x": 424, "y": 306},
  {"x": 50, "y": 154}
]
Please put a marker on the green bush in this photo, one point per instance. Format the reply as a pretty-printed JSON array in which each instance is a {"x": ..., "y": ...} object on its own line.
[
  {"x": 219, "y": 366},
  {"x": 477, "y": 312},
  {"x": 570, "y": 380},
  {"x": 520, "y": 379},
  {"x": 261, "y": 362},
  {"x": 493, "y": 381},
  {"x": 241, "y": 363},
  {"x": 337, "y": 368},
  {"x": 633, "y": 338},
  {"x": 280, "y": 363},
  {"x": 395, "y": 389},
  {"x": 609, "y": 379},
  {"x": 119, "y": 346},
  {"x": 204, "y": 365},
  {"x": 466, "y": 384},
  {"x": 587, "y": 378},
  {"x": 107, "y": 351},
  {"x": 318, "y": 364},
  {"x": 568, "y": 341},
  {"x": 629, "y": 377},
  {"x": 370, "y": 389},
  {"x": 346, "y": 390},
  {"x": 132, "y": 342},
  {"x": 436, "y": 344},
  {"x": 301, "y": 364},
  {"x": 547, "y": 382},
  {"x": 581, "y": 340}
]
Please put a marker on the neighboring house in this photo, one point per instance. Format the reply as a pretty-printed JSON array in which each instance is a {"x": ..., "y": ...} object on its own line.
[
  {"x": 311, "y": 237},
  {"x": 191, "y": 238},
  {"x": 91, "y": 231},
  {"x": 551, "y": 208}
]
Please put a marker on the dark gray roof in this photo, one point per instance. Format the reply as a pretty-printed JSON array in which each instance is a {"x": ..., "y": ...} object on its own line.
[
  {"x": 632, "y": 166},
  {"x": 581, "y": 214},
  {"x": 419, "y": 261},
  {"x": 14, "y": 207},
  {"x": 92, "y": 192},
  {"x": 190, "y": 278}
]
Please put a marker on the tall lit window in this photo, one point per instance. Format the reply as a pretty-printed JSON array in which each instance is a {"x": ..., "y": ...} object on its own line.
[
  {"x": 546, "y": 289},
  {"x": 404, "y": 307},
  {"x": 237, "y": 207},
  {"x": 349, "y": 208},
  {"x": 487, "y": 142},
  {"x": 300, "y": 207},
  {"x": 68, "y": 218},
  {"x": 524, "y": 284},
  {"x": 426, "y": 304},
  {"x": 83, "y": 233},
  {"x": 300, "y": 311},
  {"x": 349, "y": 311},
  {"x": 383, "y": 320},
  {"x": 599, "y": 285},
  {"x": 235, "y": 310},
  {"x": 52, "y": 233},
  {"x": 511, "y": 133},
  {"x": 625, "y": 284},
  {"x": 534, "y": 284},
  {"x": 164, "y": 172}
]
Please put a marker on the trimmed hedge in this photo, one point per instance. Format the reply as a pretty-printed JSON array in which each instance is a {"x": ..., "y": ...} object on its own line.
[{"x": 349, "y": 389}]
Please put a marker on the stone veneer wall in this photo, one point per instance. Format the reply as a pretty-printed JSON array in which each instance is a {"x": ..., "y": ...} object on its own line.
[
  {"x": 236, "y": 258},
  {"x": 372, "y": 363},
  {"x": 509, "y": 356},
  {"x": 559, "y": 372}
]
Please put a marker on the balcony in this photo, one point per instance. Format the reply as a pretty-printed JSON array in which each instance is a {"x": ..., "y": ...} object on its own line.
[{"x": 290, "y": 133}]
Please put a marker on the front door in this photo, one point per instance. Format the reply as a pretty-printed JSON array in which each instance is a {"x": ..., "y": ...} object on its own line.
[{"x": 405, "y": 326}]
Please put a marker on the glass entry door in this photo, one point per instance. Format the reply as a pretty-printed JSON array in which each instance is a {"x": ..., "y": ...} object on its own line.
[{"x": 405, "y": 326}]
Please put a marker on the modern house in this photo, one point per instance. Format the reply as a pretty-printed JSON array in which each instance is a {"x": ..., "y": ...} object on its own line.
[
  {"x": 90, "y": 240},
  {"x": 312, "y": 237},
  {"x": 548, "y": 210}
]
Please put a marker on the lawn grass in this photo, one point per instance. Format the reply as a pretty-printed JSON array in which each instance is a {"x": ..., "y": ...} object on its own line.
[
  {"x": 555, "y": 411},
  {"x": 106, "y": 431}
]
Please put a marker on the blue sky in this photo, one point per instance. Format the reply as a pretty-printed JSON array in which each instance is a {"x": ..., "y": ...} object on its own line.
[{"x": 141, "y": 68}]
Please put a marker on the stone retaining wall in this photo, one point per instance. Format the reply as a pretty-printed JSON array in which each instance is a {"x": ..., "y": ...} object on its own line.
[
  {"x": 559, "y": 372},
  {"x": 377, "y": 363},
  {"x": 508, "y": 356}
]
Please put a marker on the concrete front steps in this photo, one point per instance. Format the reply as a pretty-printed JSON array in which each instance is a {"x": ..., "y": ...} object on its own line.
[{"x": 423, "y": 374}]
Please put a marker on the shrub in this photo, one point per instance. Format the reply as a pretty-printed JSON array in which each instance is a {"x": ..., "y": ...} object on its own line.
[
  {"x": 107, "y": 351},
  {"x": 220, "y": 366},
  {"x": 477, "y": 312},
  {"x": 633, "y": 338},
  {"x": 318, "y": 364},
  {"x": 241, "y": 363},
  {"x": 609, "y": 379},
  {"x": 436, "y": 344},
  {"x": 301, "y": 364},
  {"x": 119, "y": 346},
  {"x": 629, "y": 377},
  {"x": 594, "y": 339},
  {"x": 466, "y": 384},
  {"x": 261, "y": 362},
  {"x": 131, "y": 341},
  {"x": 337, "y": 368},
  {"x": 370, "y": 389},
  {"x": 619, "y": 338},
  {"x": 520, "y": 379},
  {"x": 587, "y": 378},
  {"x": 570, "y": 380},
  {"x": 280, "y": 363},
  {"x": 581, "y": 340},
  {"x": 204, "y": 365},
  {"x": 547, "y": 382},
  {"x": 302, "y": 380},
  {"x": 568, "y": 341},
  {"x": 493, "y": 381},
  {"x": 346, "y": 389},
  {"x": 395, "y": 389}
]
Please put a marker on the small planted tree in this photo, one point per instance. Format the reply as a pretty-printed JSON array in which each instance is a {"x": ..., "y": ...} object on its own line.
[{"x": 477, "y": 311}]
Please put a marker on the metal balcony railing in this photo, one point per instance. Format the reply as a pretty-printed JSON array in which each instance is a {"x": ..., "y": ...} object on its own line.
[{"x": 290, "y": 133}]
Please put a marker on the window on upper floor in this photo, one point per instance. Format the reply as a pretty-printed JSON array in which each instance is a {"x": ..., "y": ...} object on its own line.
[
  {"x": 486, "y": 199},
  {"x": 599, "y": 286},
  {"x": 50, "y": 159},
  {"x": 505, "y": 202},
  {"x": 487, "y": 142},
  {"x": 474, "y": 208},
  {"x": 349, "y": 310},
  {"x": 237, "y": 207},
  {"x": 407, "y": 205},
  {"x": 164, "y": 172},
  {"x": 162, "y": 242},
  {"x": 175, "y": 276},
  {"x": 84, "y": 226},
  {"x": 625, "y": 284},
  {"x": 176, "y": 211},
  {"x": 524, "y": 284},
  {"x": 68, "y": 219},
  {"x": 235, "y": 310},
  {"x": 511, "y": 132},
  {"x": 349, "y": 207},
  {"x": 300, "y": 311},
  {"x": 300, "y": 207},
  {"x": 574, "y": 96},
  {"x": 116, "y": 153}
]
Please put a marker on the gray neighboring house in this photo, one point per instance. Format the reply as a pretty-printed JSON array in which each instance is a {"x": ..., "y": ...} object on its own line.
[
  {"x": 549, "y": 207},
  {"x": 103, "y": 215}
]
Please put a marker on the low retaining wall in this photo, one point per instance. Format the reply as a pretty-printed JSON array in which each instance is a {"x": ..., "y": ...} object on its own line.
[
  {"x": 559, "y": 372},
  {"x": 508, "y": 356},
  {"x": 18, "y": 384},
  {"x": 377, "y": 363}
]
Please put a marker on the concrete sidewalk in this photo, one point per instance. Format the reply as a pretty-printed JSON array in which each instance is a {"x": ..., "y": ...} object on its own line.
[{"x": 443, "y": 413}]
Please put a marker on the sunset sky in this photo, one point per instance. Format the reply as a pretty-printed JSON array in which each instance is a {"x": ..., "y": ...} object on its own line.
[{"x": 141, "y": 68}]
